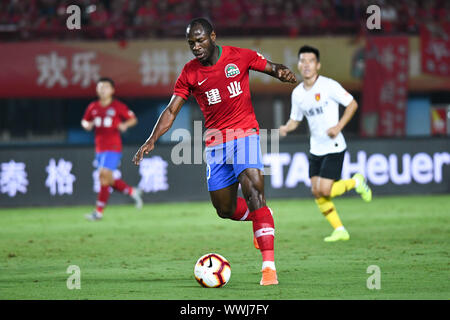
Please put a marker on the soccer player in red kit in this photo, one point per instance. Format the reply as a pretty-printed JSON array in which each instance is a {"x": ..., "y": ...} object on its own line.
[
  {"x": 109, "y": 117},
  {"x": 218, "y": 78}
]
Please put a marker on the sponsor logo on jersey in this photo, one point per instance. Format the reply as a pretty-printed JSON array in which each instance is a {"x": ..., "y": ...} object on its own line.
[
  {"x": 231, "y": 70},
  {"x": 201, "y": 82},
  {"x": 317, "y": 96},
  {"x": 110, "y": 112}
]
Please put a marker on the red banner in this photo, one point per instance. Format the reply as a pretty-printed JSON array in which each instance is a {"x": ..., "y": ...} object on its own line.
[
  {"x": 385, "y": 87},
  {"x": 435, "y": 49},
  {"x": 66, "y": 70}
]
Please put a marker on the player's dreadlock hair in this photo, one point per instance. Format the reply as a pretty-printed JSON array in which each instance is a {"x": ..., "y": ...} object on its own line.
[
  {"x": 309, "y": 49},
  {"x": 106, "y": 79},
  {"x": 207, "y": 26}
]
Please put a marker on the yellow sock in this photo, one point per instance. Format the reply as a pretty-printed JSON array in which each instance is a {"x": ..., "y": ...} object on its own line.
[
  {"x": 341, "y": 186},
  {"x": 327, "y": 208}
]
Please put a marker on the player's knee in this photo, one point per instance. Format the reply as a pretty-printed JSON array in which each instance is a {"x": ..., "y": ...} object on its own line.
[
  {"x": 325, "y": 192},
  {"x": 316, "y": 193},
  {"x": 224, "y": 213},
  {"x": 224, "y": 209},
  {"x": 320, "y": 192},
  {"x": 255, "y": 199},
  {"x": 105, "y": 178}
]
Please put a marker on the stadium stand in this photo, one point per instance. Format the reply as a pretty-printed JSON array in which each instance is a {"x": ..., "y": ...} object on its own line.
[{"x": 130, "y": 19}]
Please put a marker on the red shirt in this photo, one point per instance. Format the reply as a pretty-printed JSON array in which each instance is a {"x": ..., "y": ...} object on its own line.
[
  {"x": 223, "y": 93},
  {"x": 106, "y": 119}
]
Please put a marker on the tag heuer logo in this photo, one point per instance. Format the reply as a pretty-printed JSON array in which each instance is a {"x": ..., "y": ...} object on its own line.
[{"x": 231, "y": 70}]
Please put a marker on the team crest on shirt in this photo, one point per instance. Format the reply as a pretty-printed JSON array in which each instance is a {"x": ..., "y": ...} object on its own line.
[
  {"x": 231, "y": 70},
  {"x": 111, "y": 112},
  {"x": 317, "y": 96}
]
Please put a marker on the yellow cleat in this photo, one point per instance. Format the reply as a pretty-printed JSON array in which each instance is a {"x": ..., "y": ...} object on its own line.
[
  {"x": 338, "y": 235},
  {"x": 362, "y": 187}
]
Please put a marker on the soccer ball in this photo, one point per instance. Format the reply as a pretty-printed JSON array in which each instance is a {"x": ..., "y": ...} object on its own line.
[{"x": 212, "y": 271}]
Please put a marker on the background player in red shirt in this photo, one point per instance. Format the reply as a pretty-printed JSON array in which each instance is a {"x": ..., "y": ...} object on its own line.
[
  {"x": 109, "y": 117},
  {"x": 219, "y": 80}
]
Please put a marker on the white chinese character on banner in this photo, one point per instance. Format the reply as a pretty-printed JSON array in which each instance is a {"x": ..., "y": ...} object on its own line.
[
  {"x": 438, "y": 49},
  {"x": 402, "y": 76},
  {"x": 213, "y": 96},
  {"x": 235, "y": 89},
  {"x": 387, "y": 58},
  {"x": 431, "y": 65},
  {"x": 387, "y": 94},
  {"x": 180, "y": 58},
  {"x": 95, "y": 177},
  {"x": 59, "y": 178},
  {"x": 51, "y": 68},
  {"x": 387, "y": 123},
  {"x": 84, "y": 71},
  {"x": 443, "y": 68},
  {"x": 402, "y": 49},
  {"x": 153, "y": 173},
  {"x": 155, "y": 67},
  {"x": 400, "y": 105},
  {"x": 13, "y": 178}
]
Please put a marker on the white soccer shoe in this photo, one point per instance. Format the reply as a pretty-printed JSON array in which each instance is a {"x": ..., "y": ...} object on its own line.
[
  {"x": 94, "y": 216},
  {"x": 137, "y": 196}
]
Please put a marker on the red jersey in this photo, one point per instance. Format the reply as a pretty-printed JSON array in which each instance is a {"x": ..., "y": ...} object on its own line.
[
  {"x": 106, "y": 119},
  {"x": 223, "y": 92}
]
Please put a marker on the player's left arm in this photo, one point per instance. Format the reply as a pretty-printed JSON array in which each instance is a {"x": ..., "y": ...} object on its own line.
[
  {"x": 280, "y": 71},
  {"x": 123, "y": 126},
  {"x": 128, "y": 117},
  {"x": 346, "y": 117}
]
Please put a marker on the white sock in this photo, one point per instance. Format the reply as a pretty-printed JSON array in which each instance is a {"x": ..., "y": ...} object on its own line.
[
  {"x": 340, "y": 228},
  {"x": 356, "y": 183},
  {"x": 270, "y": 264}
]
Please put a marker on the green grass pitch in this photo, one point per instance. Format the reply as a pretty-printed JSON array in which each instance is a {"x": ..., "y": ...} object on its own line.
[{"x": 150, "y": 254}]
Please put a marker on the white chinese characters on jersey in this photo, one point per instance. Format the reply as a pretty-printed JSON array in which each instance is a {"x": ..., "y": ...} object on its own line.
[
  {"x": 59, "y": 179},
  {"x": 153, "y": 173},
  {"x": 234, "y": 88},
  {"x": 13, "y": 178},
  {"x": 213, "y": 96}
]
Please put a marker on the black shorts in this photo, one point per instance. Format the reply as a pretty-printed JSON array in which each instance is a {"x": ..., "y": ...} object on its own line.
[{"x": 327, "y": 166}]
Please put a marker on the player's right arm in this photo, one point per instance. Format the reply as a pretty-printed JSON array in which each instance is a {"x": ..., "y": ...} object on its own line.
[
  {"x": 87, "y": 125},
  {"x": 291, "y": 125},
  {"x": 163, "y": 124},
  {"x": 87, "y": 122},
  {"x": 296, "y": 115}
]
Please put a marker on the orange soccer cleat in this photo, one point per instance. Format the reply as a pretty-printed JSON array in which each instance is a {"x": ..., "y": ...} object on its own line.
[{"x": 269, "y": 277}]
